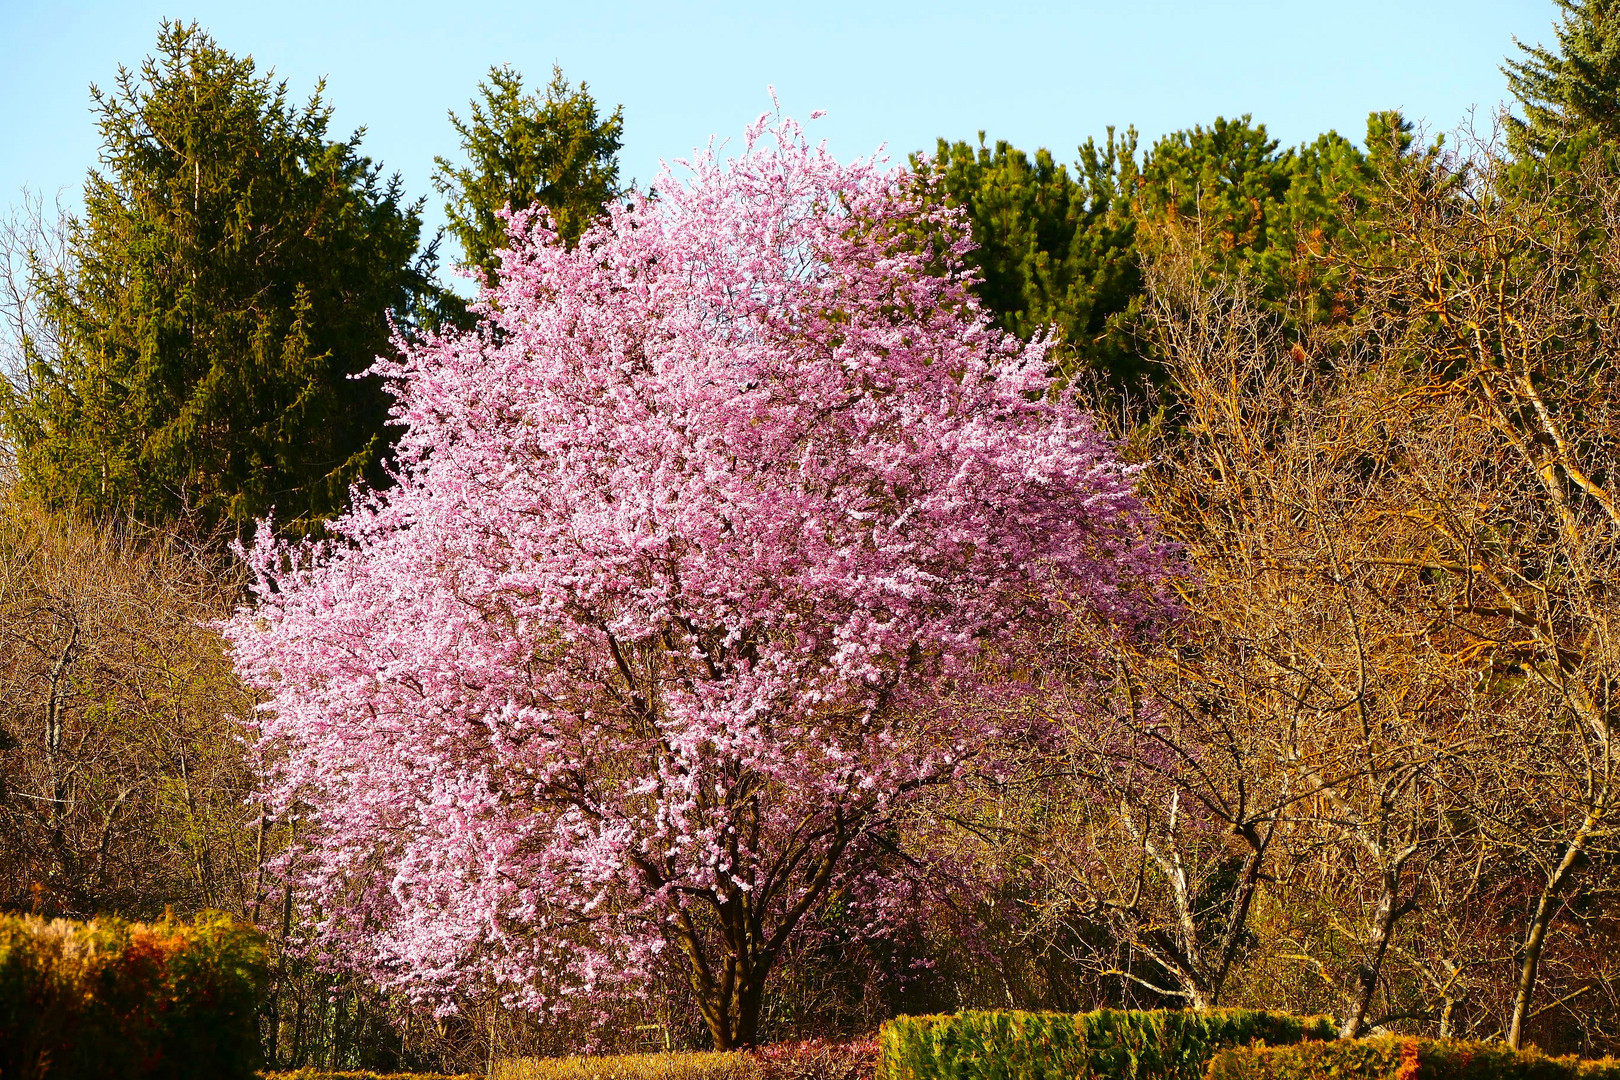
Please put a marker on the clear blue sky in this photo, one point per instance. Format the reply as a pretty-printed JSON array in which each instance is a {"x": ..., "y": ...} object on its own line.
[{"x": 895, "y": 73}]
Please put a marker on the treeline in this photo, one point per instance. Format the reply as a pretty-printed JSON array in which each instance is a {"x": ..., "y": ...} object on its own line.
[
  {"x": 1371, "y": 774},
  {"x": 187, "y": 346}
]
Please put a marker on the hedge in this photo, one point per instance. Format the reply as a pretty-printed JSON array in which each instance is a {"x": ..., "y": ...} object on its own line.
[
  {"x": 1403, "y": 1058},
  {"x": 118, "y": 1000},
  {"x": 1107, "y": 1044}
]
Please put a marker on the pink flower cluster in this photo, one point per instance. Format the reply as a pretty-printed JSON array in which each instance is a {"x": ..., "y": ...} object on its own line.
[{"x": 687, "y": 537}]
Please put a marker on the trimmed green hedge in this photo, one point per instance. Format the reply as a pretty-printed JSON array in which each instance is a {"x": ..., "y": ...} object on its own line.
[
  {"x": 1104, "y": 1045},
  {"x": 1403, "y": 1058},
  {"x": 129, "y": 1001}
]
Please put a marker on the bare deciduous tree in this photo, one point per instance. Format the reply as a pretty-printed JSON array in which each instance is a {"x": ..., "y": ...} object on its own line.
[
  {"x": 32, "y": 246},
  {"x": 123, "y": 785},
  {"x": 1378, "y": 751}
]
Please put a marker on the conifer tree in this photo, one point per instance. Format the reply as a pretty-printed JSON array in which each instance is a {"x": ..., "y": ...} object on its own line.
[
  {"x": 1262, "y": 213},
  {"x": 1061, "y": 249},
  {"x": 233, "y": 270},
  {"x": 1225, "y": 178},
  {"x": 1572, "y": 90},
  {"x": 1053, "y": 249},
  {"x": 522, "y": 151}
]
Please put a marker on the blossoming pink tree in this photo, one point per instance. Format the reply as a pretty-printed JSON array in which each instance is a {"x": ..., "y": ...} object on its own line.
[{"x": 690, "y": 536}]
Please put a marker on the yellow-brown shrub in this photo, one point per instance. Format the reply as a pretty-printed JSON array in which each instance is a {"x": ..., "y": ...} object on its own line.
[
  {"x": 814, "y": 1059},
  {"x": 125, "y": 1001}
]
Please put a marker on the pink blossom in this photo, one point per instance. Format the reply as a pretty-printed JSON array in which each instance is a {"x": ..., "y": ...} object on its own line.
[{"x": 690, "y": 539}]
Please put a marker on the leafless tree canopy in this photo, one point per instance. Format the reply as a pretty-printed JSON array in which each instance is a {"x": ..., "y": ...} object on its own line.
[
  {"x": 33, "y": 245},
  {"x": 123, "y": 786},
  {"x": 1371, "y": 772}
]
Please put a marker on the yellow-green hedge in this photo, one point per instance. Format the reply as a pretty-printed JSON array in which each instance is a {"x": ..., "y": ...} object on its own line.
[
  {"x": 1107, "y": 1044},
  {"x": 118, "y": 1001},
  {"x": 1403, "y": 1058}
]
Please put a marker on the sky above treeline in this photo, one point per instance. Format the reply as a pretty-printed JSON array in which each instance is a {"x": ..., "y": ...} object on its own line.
[{"x": 898, "y": 74}]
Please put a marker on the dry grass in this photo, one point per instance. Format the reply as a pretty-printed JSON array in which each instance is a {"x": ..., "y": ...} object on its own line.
[
  {"x": 811, "y": 1060},
  {"x": 323, "y": 1074},
  {"x": 667, "y": 1066}
]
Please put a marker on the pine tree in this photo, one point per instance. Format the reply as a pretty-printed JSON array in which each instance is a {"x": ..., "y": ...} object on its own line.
[
  {"x": 1224, "y": 179},
  {"x": 1061, "y": 249},
  {"x": 233, "y": 270},
  {"x": 523, "y": 151},
  {"x": 1571, "y": 91},
  {"x": 1262, "y": 213},
  {"x": 1054, "y": 249}
]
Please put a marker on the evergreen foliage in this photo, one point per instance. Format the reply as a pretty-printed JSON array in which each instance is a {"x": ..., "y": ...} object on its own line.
[
  {"x": 1053, "y": 249},
  {"x": 233, "y": 270},
  {"x": 1572, "y": 90},
  {"x": 1228, "y": 178},
  {"x": 523, "y": 151},
  {"x": 1264, "y": 214},
  {"x": 1061, "y": 249}
]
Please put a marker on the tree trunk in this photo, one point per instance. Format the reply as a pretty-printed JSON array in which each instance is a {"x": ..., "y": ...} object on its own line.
[
  {"x": 715, "y": 1005},
  {"x": 1536, "y": 938},
  {"x": 731, "y": 1006},
  {"x": 258, "y": 863},
  {"x": 1383, "y": 929},
  {"x": 1248, "y": 884},
  {"x": 750, "y": 998},
  {"x": 55, "y": 698}
]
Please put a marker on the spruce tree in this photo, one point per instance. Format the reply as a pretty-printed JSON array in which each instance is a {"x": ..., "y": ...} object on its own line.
[
  {"x": 524, "y": 150},
  {"x": 232, "y": 271},
  {"x": 1571, "y": 91}
]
